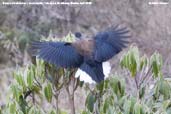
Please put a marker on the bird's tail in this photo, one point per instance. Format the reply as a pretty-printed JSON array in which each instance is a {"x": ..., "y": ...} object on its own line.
[{"x": 93, "y": 73}]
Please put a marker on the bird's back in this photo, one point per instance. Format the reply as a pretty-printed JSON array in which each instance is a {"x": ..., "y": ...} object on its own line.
[{"x": 84, "y": 46}]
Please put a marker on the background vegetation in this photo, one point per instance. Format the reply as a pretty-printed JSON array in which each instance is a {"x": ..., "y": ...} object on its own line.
[{"x": 145, "y": 83}]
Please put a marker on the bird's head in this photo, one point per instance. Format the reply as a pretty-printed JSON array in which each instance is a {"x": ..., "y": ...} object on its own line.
[{"x": 78, "y": 35}]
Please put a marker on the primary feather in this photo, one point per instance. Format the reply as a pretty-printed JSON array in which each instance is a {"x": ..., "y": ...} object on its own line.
[
  {"x": 59, "y": 53},
  {"x": 109, "y": 43}
]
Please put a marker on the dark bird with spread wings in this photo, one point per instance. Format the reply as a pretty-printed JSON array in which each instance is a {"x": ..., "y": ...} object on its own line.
[{"x": 90, "y": 56}]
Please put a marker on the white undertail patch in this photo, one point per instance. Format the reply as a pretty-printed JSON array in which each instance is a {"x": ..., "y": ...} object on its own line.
[
  {"x": 84, "y": 76},
  {"x": 87, "y": 79},
  {"x": 106, "y": 69}
]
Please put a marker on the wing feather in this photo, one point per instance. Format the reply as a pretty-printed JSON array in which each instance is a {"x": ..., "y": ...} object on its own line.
[
  {"x": 110, "y": 42},
  {"x": 59, "y": 53}
]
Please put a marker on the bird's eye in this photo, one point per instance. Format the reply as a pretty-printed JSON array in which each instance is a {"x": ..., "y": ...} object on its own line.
[{"x": 78, "y": 35}]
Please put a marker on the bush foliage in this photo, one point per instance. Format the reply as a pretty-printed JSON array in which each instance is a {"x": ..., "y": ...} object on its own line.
[{"x": 41, "y": 83}]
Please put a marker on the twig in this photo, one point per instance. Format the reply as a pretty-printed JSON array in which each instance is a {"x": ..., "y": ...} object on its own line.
[
  {"x": 71, "y": 93},
  {"x": 136, "y": 82},
  {"x": 37, "y": 82},
  {"x": 57, "y": 101},
  {"x": 27, "y": 93},
  {"x": 146, "y": 75}
]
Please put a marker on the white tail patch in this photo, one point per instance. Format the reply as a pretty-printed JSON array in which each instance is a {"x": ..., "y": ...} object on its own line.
[
  {"x": 86, "y": 77},
  {"x": 106, "y": 69}
]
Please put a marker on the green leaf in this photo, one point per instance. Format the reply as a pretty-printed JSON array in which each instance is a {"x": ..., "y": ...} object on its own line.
[
  {"x": 111, "y": 110},
  {"x": 86, "y": 112},
  {"x": 19, "y": 78},
  {"x": 131, "y": 61},
  {"x": 165, "y": 89},
  {"x": 100, "y": 87},
  {"x": 133, "y": 65},
  {"x": 32, "y": 110},
  {"x": 20, "y": 112},
  {"x": 23, "y": 104},
  {"x": 52, "y": 112},
  {"x": 166, "y": 104},
  {"x": 36, "y": 89},
  {"x": 63, "y": 112},
  {"x": 143, "y": 62},
  {"x": 156, "y": 62},
  {"x": 127, "y": 107},
  {"x": 12, "y": 108},
  {"x": 90, "y": 100},
  {"x": 118, "y": 86},
  {"x": 122, "y": 100},
  {"x": 16, "y": 92},
  {"x": 30, "y": 77},
  {"x": 69, "y": 38},
  {"x": 142, "y": 92},
  {"x": 156, "y": 91},
  {"x": 48, "y": 92},
  {"x": 155, "y": 69},
  {"x": 138, "y": 109},
  {"x": 107, "y": 103}
]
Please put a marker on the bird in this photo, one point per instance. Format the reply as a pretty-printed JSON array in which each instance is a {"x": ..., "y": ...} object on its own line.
[{"x": 89, "y": 55}]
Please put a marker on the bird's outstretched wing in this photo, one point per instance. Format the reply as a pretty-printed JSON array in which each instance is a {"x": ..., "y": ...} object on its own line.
[
  {"x": 59, "y": 53},
  {"x": 109, "y": 43}
]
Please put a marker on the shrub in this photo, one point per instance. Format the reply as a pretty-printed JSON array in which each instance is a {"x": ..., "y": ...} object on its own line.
[{"x": 41, "y": 83}]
